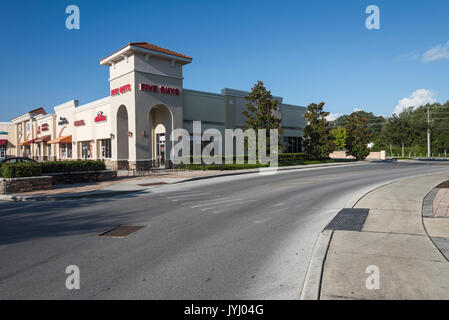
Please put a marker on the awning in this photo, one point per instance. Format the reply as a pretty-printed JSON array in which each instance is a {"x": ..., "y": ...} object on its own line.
[
  {"x": 43, "y": 139},
  {"x": 65, "y": 139},
  {"x": 3, "y": 142},
  {"x": 25, "y": 143}
]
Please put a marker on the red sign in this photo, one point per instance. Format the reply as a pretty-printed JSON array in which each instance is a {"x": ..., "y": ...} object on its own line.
[
  {"x": 38, "y": 131},
  {"x": 161, "y": 89},
  {"x": 121, "y": 90},
  {"x": 100, "y": 117},
  {"x": 79, "y": 123},
  {"x": 44, "y": 127}
]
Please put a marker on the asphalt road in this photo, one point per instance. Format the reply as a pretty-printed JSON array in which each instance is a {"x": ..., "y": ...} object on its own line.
[{"x": 239, "y": 237}]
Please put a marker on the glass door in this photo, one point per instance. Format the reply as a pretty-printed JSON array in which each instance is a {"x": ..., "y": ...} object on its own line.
[{"x": 160, "y": 149}]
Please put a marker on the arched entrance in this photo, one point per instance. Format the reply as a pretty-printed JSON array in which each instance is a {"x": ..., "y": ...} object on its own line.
[
  {"x": 122, "y": 138},
  {"x": 161, "y": 124}
]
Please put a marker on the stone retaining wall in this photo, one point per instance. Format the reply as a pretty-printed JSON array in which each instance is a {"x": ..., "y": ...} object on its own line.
[
  {"x": 17, "y": 185},
  {"x": 371, "y": 156},
  {"x": 82, "y": 176}
]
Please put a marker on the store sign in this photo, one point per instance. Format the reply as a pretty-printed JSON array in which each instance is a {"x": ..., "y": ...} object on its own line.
[
  {"x": 160, "y": 89},
  {"x": 123, "y": 89},
  {"x": 100, "y": 117},
  {"x": 44, "y": 127},
  {"x": 3, "y": 133},
  {"x": 63, "y": 121},
  {"x": 79, "y": 123}
]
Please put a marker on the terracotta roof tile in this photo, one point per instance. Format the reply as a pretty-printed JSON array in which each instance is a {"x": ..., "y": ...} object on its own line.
[
  {"x": 38, "y": 111},
  {"x": 149, "y": 46}
]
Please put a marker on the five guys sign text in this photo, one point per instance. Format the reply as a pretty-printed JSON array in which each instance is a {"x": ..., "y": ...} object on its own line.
[{"x": 161, "y": 89}]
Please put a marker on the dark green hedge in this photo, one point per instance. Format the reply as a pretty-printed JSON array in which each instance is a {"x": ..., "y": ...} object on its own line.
[
  {"x": 282, "y": 157},
  {"x": 20, "y": 170},
  {"x": 291, "y": 157},
  {"x": 72, "y": 166}
]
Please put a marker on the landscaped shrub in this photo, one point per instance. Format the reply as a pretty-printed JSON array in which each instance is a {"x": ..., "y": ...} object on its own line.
[
  {"x": 20, "y": 170},
  {"x": 291, "y": 156},
  {"x": 72, "y": 166}
]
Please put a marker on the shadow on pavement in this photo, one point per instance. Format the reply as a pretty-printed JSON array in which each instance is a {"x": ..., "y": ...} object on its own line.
[{"x": 24, "y": 221}]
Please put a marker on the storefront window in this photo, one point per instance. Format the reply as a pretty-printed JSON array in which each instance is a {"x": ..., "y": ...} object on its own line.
[
  {"x": 2, "y": 152},
  {"x": 86, "y": 152},
  {"x": 27, "y": 151},
  {"x": 66, "y": 150},
  {"x": 49, "y": 150},
  {"x": 292, "y": 144},
  {"x": 105, "y": 149}
]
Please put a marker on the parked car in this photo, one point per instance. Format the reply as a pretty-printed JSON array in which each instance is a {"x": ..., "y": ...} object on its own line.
[{"x": 16, "y": 160}]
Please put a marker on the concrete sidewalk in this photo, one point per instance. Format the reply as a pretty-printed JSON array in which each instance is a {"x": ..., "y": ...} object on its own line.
[
  {"x": 141, "y": 184},
  {"x": 394, "y": 239}
]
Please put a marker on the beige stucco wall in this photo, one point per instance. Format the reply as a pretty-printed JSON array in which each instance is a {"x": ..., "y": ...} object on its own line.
[{"x": 9, "y": 128}]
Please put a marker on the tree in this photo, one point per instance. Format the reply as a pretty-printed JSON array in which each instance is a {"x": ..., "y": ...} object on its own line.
[
  {"x": 358, "y": 136},
  {"x": 339, "y": 135},
  {"x": 318, "y": 139},
  {"x": 404, "y": 129},
  {"x": 373, "y": 122},
  {"x": 262, "y": 111}
]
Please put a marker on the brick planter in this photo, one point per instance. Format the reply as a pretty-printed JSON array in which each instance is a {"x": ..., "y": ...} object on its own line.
[{"x": 17, "y": 185}]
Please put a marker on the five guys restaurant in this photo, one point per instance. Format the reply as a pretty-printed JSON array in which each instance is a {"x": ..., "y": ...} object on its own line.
[{"x": 131, "y": 127}]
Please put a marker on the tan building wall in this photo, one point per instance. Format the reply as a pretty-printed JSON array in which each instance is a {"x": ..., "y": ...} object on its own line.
[{"x": 8, "y": 133}]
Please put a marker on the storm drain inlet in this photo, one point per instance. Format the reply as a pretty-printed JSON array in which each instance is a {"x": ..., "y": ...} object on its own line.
[{"x": 348, "y": 219}]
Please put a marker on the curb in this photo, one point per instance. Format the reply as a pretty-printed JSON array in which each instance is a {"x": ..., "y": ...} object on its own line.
[
  {"x": 312, "y": 282},
  {"x": 16, "y": 198},
  {"x": 440, "y": 243}
]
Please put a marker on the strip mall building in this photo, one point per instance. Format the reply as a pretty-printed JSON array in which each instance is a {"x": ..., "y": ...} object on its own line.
[{"x": 131, "y": 127}]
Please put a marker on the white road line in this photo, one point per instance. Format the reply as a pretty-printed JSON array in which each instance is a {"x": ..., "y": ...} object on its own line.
[
  {"x": 215, "y": 202},
  {"x": 195, "y": 202},
  {"x": 277, "y": 205},
  {"x": 225, "y": 205},
  {"x": 177, "y": 198}
]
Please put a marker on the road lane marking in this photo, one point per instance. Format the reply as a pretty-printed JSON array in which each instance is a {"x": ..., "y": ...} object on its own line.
[
  {"x": 226, "y": 205},
  {"x": 222, "y": 200},
  {"x": 195, "y": 202},
  {"x": 183, "y": 197}
]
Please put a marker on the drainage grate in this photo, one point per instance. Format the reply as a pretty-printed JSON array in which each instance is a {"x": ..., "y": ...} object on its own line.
[
  {"x": 120, "y": 231},
  {"x": 152, "y": 184},
  {"x": 348, "y": 219}
]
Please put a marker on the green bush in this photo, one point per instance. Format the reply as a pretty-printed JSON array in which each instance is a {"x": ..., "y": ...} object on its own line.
[
  {"x": 20, "y": 170},
  {"x": 72, "y": 166},
  {"x": 222, "y": 166},
  {"x": 291, "y": 157}
]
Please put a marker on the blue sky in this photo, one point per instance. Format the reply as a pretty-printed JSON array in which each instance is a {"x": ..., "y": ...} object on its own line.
[{"x": 305, "y": 51}]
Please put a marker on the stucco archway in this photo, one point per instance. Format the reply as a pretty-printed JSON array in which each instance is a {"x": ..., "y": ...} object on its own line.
[
  {"x": 122, "y": 137},
  {"x": 161, "y": 125}
]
